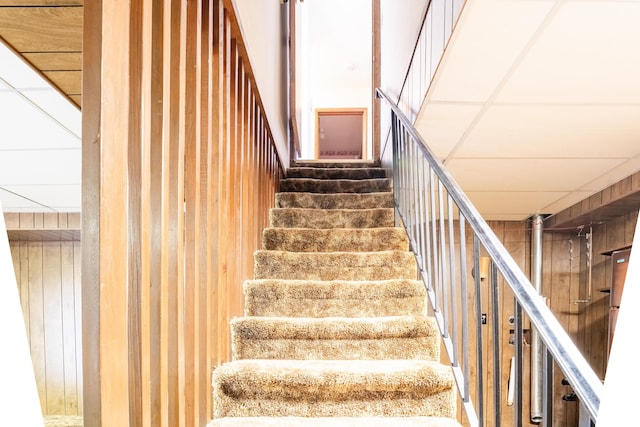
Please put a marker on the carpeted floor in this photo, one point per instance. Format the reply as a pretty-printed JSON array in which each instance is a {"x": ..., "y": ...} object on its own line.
[{"x": 334, "y": 332}]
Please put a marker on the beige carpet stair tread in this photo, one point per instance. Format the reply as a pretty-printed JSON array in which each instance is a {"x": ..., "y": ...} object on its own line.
[
  {"x": 334, "y": 422},
  {"x": 335, "y": 173},
  {"x": 335, "y": 201},
  {"x": 343, "y": 387},
  {"x": 331, "y": 218},
  {"x": 335, "y": 240},
  {"x": 337, "y": 164},
  {"x": 311, "y": 185},
  {"x": 393, "y": 337},
  {"x": 311, "y": 298},
  {"x": 381, "y": 265}
]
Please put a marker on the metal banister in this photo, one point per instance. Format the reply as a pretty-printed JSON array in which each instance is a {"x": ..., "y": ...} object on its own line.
[{"x": 580, "y": 375}]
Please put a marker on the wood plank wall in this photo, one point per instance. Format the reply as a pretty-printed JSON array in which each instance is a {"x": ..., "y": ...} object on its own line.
[
  {"x": 180, "y": 168},
  {"x": 564, "y": 282},
  {"x": 48, "y": 277}
]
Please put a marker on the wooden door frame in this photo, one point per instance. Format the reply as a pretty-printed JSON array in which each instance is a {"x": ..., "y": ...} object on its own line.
[{"x": 340, "y": 112}]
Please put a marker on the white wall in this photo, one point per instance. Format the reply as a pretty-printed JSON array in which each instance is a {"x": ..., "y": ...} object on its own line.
[
  {"x": 334, "y": 61},
  {"x": 264, "y": 26},
  {"x": 400, "y": 26}
]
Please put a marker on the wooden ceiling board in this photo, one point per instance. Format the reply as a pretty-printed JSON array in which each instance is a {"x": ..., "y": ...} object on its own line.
[
  {"x": 42, "y": 29},
  {"x": 48, "y": 35},
  {"x": 70, "y": 82},
  {"x": 55, "y": 61}
]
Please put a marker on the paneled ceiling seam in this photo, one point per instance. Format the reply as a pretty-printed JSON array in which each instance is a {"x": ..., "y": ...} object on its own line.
[
  {"x": 39, "y": 108},
  {"x": 512, "y": 69}
]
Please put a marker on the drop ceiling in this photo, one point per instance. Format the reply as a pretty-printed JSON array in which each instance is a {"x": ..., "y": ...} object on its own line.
[
  {"x": 535, "y": 105},
  {"x": 40, "y": 160}
]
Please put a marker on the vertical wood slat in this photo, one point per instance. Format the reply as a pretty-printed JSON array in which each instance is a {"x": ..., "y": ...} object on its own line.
[{"x": 192, "y": 153}]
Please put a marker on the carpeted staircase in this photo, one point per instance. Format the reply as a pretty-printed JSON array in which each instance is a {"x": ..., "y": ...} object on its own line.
[{"x": 334, "y": 332}]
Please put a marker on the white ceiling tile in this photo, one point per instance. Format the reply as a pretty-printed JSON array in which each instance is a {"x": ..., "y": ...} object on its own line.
[
  {"x": 517, "y": 204},
  {"x": 527, "y": 174},
  {"x": 25, "y": 127},
  {"x": 443, "y": 124},
  {"x": 560, "y": 131},
  {"x": 588, "y": 53},
  {"x": 15, "y": 203},
  {"x": 489, "y": 36},
  {"x": 59, "y": 109},
  {"x": 40, "y": 167},
  {"x": 64, "y": 198}
]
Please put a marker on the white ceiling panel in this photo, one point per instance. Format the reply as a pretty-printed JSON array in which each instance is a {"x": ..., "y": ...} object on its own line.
[
  {"x": 62, "y": 198},
  {"x": 59, "y": 109},
  {"x": 589, "y": 52},
  {"x": 561, "y": 131},
  {"x": 513, "y": 205},
  {"x": 31, "y": 167},
  {"x": 40, "y": 160},
  {"x": 41, "y": 133},
  {"x": 526, "y": 174},
  {"x": 557, "y": 96},
  {"x": 443, "y": 124},
  {"x": 489, "y": 36},
  {"x": 12, "y": 202}
]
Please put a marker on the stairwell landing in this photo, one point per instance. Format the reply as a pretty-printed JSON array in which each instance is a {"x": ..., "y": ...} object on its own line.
[{"x": 335, "y": 331}]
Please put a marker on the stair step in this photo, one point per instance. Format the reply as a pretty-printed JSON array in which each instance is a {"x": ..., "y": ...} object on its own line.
[
  {"x": 338, "y": 298},
  {"x": 349, "y": 164},
  {"x": 336, "y": 173},
  {"x": 381, "y": 265},
  {"x": 335, "y": 201},
  {"x": 324, "y": 388},
  {"x": 310, "y": 185},
  {"x": 335, "y": 240},
  {"x": 331, "y": 218},
  {"x": 334, "y": 422},
  {"x": 334, "y": 338}
]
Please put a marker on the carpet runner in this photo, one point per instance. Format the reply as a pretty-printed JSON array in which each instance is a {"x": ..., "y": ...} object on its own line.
[{"x": 334, "y": 331}]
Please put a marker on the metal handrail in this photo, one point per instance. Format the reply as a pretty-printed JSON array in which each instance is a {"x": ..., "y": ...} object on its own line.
[{"x": 559, "y": 345}]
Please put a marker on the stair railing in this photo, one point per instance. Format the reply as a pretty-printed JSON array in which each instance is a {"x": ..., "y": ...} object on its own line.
[{"x": 437, "y": 215}]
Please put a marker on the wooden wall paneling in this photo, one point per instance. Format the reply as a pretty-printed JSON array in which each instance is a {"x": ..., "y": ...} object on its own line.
[
  {"x": 203, "y": 357},
  {"x": 224, "y": 199},
  {"x": 69, "y": 327},
  {"x": 596, "y": 313},
  {"x": 191, "y": 93},
  {"x": 216, "y": 158},
  {"x": 255, "y": 167},
  {"x": 113, "y": 259},
  {"x": 77, "y": 290},
  {"x": 34, "y": 253},
  {"x": 135, "y": 222},
  {"x": 91, "y": 111},
  {"x": 153, "y": 214},
  {"x": 51, "y": 292},
  {"x": 174, "y": 226},
  {"x": 513, "y": 240},
  {"x": 235, "y": 223},
  {"x": 247, "y": 226}
]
